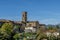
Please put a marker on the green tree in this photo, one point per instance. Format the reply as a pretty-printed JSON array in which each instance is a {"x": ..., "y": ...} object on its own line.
[
  {"x": 6, "y": 30},
  {"x": 57, "y": 26},
  {"x": 16, "y": 36}
]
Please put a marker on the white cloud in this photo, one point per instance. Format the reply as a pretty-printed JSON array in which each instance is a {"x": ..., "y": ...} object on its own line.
[{"x": 50, "y": 21}]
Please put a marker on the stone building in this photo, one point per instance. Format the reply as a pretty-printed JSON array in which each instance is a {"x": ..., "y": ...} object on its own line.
[{"x": 28, "y": 23}]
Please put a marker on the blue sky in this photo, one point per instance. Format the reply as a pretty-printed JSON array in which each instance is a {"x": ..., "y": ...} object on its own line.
[{"x": 45, "y": 11}]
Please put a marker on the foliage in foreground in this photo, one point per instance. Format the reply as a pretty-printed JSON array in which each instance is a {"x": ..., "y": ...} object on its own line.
[{"x": 9, "y": 31}]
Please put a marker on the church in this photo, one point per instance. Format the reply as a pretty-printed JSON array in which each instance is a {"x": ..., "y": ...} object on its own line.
[
  {"x": 27, "y": 23},
  {"x": 30, "y": 26}
]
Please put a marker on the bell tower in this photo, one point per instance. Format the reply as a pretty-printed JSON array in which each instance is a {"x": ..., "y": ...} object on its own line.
[{"x": 24, "y": 17}]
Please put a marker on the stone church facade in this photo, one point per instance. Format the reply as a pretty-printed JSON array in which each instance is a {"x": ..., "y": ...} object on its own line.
[{"x": 28, "y": 23}]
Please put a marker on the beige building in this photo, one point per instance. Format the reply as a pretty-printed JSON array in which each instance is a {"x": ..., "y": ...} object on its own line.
[{"x": 28, "y": 23}]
